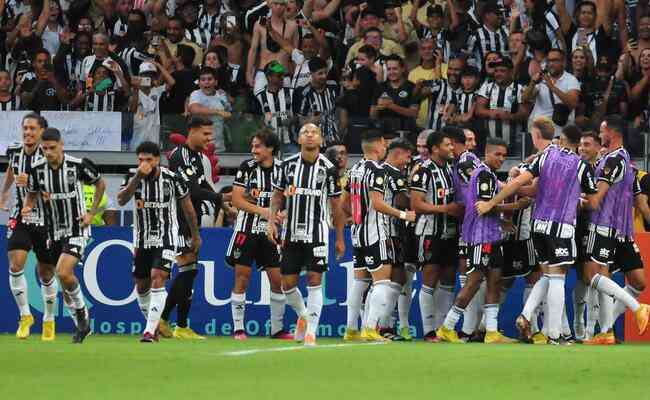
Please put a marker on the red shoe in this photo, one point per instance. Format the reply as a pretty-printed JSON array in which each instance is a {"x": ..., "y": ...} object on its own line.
[
  {"x": 282, "y": 335},
  {"x": 240, "y": 335},
  {"x": 147, "y": 338}
]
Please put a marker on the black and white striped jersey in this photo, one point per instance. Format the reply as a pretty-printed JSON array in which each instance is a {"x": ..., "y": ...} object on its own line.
[
  {"x": 465, "y": 101},
  {"x": 396, "y": 184},
  {"x": 155, "y": 223},
  {"x": 63, "y": 194},
  {"x": 441, "y": 40},
  {"x": 484, "y": 41},
  {"x": 436, "y": 181},
  {"x": 200, "y": 36},
  {"x": 279, "y": 105},
  {"x": 442, "y": 95},
  {"x": 522, "y": 220},
  {"x": 110, "y": 100},
  {"x": 368, "y": 225},
  {"x": 133, "y": 57},
  {"x": 257, "y": 182},
  {"x": 506, "y": 99},
  {"x": 189, "y": 165},
  {"x": 307, "y": 187},
  {"x": 309, "y": 102},
  {"x": 13, "y": 104},
  {"x": 21, "y": 163}
]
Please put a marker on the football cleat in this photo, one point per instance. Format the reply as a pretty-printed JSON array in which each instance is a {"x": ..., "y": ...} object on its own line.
[
  {"x": 431, "y": 337},
  {"x": 539, "y": 338},
  {"x": 186, "y": 334},
  {"x": 83, "y": 326},
  {"x": 497, "y": 337},
  {"x": 524, "y": 327},
  {"x": 405, "y": 332},
  {"x": 240, "y": 335},
  {"x": 310, "y": 340},
  {"x": 642, "y": 315},
  {"x": 301, "y": 328},
  {"x": 49, "y": 331},
  {"x": 448, "y": 335},
  {"x": 602, "y": 339},
  {"x": 165, "y": 330},
  {"x": 351, "y": 335},
  {"x": 282, "y": 335},
  {"x": 24, "y": 326},
  {"x": 147, "y": 338},
  {"x": 371, "y": 335}
]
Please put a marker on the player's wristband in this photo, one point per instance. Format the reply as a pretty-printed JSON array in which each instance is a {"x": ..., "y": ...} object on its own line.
[{"x": 402, "y": 215}]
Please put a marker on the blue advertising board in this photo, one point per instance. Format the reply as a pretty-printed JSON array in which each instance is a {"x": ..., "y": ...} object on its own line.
[{"x": 107, "y": 284}]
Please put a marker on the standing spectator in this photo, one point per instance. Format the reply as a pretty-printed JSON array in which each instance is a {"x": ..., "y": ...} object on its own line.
[
  {"x": 316, "y": 102},
  {"x": 145, "y": 101},
  {"x": 606, "y": 94},
  {"x": 395, "y": 103},
  {"x": 470, "y": 80},
  {"x": 40, "y": 90},
  {"x": 213, "y": 103},
  {"x": 8, "y": 100},
  {"x": 22, "y": 44},
  {"x": 175, "y": 36},
  {"x": 554, "y": 94},
  {"x": 433, "y": 30},
  {"x": 134, "y": 46},
  {"x": 592, "y": 30},
  {"x": 443, "y": 94},
  {"x": 582, "y": 65},
  {"x": 106, "y": 90},
  {"x": 116, "y": 19},
  {"x": 172, "y": 103},
  {"x": 539, "y": 16},
  {"x": 189, "y": 13},
  {"x": 520, "y": 57},
  {"x": 274, "y": 103},
  {"x": 355, "y": 105},
  {"x": 491, "y": 58},
  {"x": 230, "y": 37},
  {"x": 368, "y": 57},
  {"x": 50, "y": 25},
  {"x": 100, "y": 54},
  {"x": 210, "y": 15},
  {"x": 492, "y": 36},
  {"x": 428, "y": 70},
  {"x": 68, "y": 61},
  {"x": 501, "y": 106},
  {"x": 373, "y": 37},
  {"x": 395, "y": 27}
]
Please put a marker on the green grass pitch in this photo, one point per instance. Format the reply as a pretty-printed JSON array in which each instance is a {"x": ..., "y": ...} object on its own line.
[{"x": 119, "y": 367}]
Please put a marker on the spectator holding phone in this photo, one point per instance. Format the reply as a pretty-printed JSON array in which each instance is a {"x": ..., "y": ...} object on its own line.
[
  {"x": 40, "y": 89},
  {"x": 105, "y": 90}
]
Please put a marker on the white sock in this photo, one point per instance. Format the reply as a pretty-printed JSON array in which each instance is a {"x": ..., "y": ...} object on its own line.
[
  {"x": 378, "y": 303},
  {"x": 453, "y": 316},
  {"x": 566, "y": 328},
  {"x": 355, "y": 298},
  {"x": 18, "y": 285},
  {"x": 608, "y": 286},
  {"x": 49, "y": 291},
  {"x": 491, "y": 312},
  {"x": 606, "y": 312},
  {"x": 144, "y": 299},
  {"x": 537, "y": 295},
  {"x": 444, "y": 300},
  {"x": 470, "y": 315},
  {"x": 71, "y": 311},
  {"x": 394, "y": 289},
  {"x": 480, "y": 316},
  {"x": 579, "y": 302},
  {"x": 156, "y": 306},
  {"x": 426, "y": 308},
  {"x": 404, "y": 301},
  {"x": 295, "y": 300},
  {"x": 314, "y": 308},
  {"x": 593, "y": 311},
  {"x": 77, "y": 298},
  {"x": 278, "y": 301},
  {"x": 555, "y": 301},
  {"x": 619, "y": 307},
  {"x": 238, "y": 309}
]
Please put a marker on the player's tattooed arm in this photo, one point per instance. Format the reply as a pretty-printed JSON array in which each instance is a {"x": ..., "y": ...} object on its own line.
[
  {"x": 191, "y": 219},
  {"x": 125, "y": 195}
]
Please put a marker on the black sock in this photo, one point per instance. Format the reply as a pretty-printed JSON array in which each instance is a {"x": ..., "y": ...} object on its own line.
[
  {"x": 185, "y": 297},
  {"x": 172, "y": 298}
]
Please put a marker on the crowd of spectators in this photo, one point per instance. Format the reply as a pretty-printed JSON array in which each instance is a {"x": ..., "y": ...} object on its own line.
[{"x": 489, "y": 66}]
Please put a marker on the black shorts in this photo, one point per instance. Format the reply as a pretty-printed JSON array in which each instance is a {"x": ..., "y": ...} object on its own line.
[
  {"x": 554, "y": 251},
  {"x": 296, "y": 257},
  {"x": 582, "y": 240},
  {"x": 462, "y": 248},
  {"x": 246, "y": 248},
  {"x": 482, "y": 257},
  {"x": 74, "y": 246},
  {"x": 398, "y": 254},
  {"x": 619, "y": 254},
  {"x": 158, "y": 258},
  {"x": 373, "y": 257},
  {"x": 25, "y": 237},
  {"x": 436, "y": 251},
  {"x": 410, "y": 247},
  {"x": 518, "y": 258}
]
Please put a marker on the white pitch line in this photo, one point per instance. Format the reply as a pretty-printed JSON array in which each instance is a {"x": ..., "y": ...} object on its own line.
[{"x": 294, "y": 348}]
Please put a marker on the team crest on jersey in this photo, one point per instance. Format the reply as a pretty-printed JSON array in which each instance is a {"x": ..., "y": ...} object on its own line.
[
  {"x": 189, "y": 171},
  {"x": 70, "y": 174},
  {"x": 320, "y": 176},
  {"x": 400, "y": 182},
  {"x": 403, "y": 94},
  {"x": 416, "y": 178},
  {"x": 236, "y": 253},
  {"x": 239, "y": 174},
  {"x": 484, "y": 186},
  {"x": 379, "y": 180},
  {"x": 166, "y": 191},
  {"x": 485, "y": 260}
]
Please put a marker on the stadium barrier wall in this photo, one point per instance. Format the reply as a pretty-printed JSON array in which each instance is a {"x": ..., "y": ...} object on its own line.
[{"x": 105, "y": 276}]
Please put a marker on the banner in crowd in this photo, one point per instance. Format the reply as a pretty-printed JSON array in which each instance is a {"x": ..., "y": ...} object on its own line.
[
  {"x": 87, "y": 131},
  {"x": 107, "y": 284}
]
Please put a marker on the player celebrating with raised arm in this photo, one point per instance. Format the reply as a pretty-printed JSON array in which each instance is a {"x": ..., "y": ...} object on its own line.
[
  {"x": 187, "y": 160},
  {"x": 27, "y": 233},
  {"x": 373, "y": 250},
  {"x": 58, "y": 179},
  {"x": 157, "y": 191},
  {"x": 249, "y": 242},
  {"x": 563, "y": 176},
  {"x": 303, "y": 185}
]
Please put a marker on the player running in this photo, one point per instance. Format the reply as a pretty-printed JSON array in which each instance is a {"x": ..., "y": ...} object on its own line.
[
  {"x": 249, "y": 242},
  {"x": 157, "y": 191},
  {"x": 303, "y": 185},
  {"x": 27, "y": 233},
  {"x": 483, "y": 235},
  {"x": 58, "y": 180}
]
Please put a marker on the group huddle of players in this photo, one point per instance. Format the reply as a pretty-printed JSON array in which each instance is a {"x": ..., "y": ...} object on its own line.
[{"x": 442, "y": 212}]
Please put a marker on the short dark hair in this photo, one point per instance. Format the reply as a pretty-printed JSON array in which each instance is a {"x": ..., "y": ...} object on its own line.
[
  {"x": 588, "y": 4},
  {"x": 197, "y": 121},
  {"x": 208, "y": 71},
  {"x": 456, "y": 133},
  {"x": 400, "y": 143},
  {"x": 371, "y": 29},
  {"x": 368, "y": 50},
  {"x": 591, "y": 134},
  {"x": 615, "y": 123},
  {"x": 42, "y": 50},
  {"x": 177, "y": 19},
  {"x": 494, "y": 141},
  {"x": 572, "y": 133},
  {"x": 186, "y": 54},
  {"x": 316, "y": 64},
  {"x": 42, "y": 122},
  {"x": 268, "y": 139},
  {"x": 558, "y": 50},
  {"x": 139, "y": 13},
  {"x": 51, "y": 134},
  {"x": 148, "y": 148},
  {"x": 436, "y": 138},
  {"x": 396, "y": 58}
]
